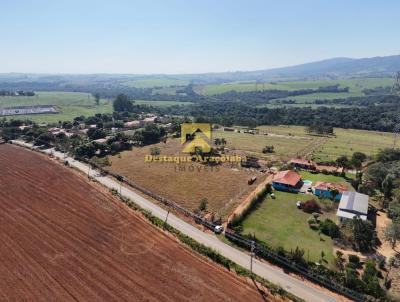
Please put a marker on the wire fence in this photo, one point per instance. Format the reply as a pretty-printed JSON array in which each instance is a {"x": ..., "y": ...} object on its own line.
[{"x": 259, "y": 249}]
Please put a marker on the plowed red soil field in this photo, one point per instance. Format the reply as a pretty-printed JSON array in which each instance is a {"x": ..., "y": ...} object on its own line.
[{"x": 64, "y": 239}]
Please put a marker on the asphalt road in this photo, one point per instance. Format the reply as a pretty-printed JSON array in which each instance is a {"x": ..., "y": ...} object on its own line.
[{"x": 303, "y": 290}]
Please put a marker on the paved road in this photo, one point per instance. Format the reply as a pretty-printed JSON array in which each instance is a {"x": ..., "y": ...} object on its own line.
[{"x": 265, "y": 270}]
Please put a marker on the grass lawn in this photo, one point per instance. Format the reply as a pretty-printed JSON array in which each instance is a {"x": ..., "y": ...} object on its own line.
[
  {"x": 278, "y": 222},
  {"x": 322, "y": 177},
  {"x": 71, "y": 104}
]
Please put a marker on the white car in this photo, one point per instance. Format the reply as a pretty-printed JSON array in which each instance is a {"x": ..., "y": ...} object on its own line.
[{"x": 218, "y": 229}]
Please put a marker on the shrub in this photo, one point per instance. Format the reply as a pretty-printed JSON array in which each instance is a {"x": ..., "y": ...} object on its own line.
[
  {"x": 311, "y": 206},
  {"x": 329, "y": 228},
  {"x": 355, "y": 261}
]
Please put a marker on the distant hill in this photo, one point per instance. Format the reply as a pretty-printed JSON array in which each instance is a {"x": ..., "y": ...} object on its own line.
[{"x": 329, "y": 69}]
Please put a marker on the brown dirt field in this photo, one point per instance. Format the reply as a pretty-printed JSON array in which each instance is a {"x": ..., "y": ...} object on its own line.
[
  {"x": 223, "y": 186},
  {"x": 62, "y": 239}
]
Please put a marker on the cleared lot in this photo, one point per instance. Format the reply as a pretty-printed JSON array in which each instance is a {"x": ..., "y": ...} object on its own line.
[{"x": 187, "y": 183}]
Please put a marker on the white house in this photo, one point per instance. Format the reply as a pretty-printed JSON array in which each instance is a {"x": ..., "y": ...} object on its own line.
[{"x": 352, "y": 204}]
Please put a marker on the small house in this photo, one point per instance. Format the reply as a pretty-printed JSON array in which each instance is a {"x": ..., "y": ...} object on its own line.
[
  {"x": 288, "y": 181},
  {"x": 352, "y": 204},
  {"x": 329, "y": 190}
]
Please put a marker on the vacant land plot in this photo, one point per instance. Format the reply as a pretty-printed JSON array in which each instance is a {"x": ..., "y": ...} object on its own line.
[
  {"x": 187, "y": 183},
  {"x": 348, "y": 141},
  {"x": 63, "y": 239},
  {"x": 71, "y": 104},
  {"x": 345, "y": 141},
  {"x": 279, "y": 223},
  {"x": 285, "y": 146}
]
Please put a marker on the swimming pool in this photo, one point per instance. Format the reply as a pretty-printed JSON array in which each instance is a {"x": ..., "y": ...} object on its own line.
[{"x": 307, "y": 182}]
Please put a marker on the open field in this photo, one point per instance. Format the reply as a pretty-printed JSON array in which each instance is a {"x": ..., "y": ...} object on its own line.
[
  {"x": 162, "y": 103},
  {"x": 279, "y": 223},
  {"x": 155, "y": 82},
  {"x": 73, "y": 241},
  {"x": 186, "y": 183},
  {"x": 345, "y": 141},
  {"x": 285, "y": 146},
  {"x": 71, "y": 104},
  {"x": 356, "y": 86}
]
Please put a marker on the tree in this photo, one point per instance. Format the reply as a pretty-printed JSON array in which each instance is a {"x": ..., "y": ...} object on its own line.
[
  {"x": 155, "y": 151},
  {"x": 339, "y": 261},
  {"x": 97, "y": 98},
  {"x": 343, "y": 162},
  {"x": 203, "y": 204},
  {"x": 311, "y": 206},
  {"x": 268, "y": 149},
  {"x": 122, "y": 103},
  {"x": 370, "y": 278},
  {"x": 392, "y": 232},
  {"x": 363, "y": 234}
]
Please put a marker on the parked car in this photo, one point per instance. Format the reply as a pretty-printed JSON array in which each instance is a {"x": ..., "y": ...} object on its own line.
[{"x": 218, "y": 229}]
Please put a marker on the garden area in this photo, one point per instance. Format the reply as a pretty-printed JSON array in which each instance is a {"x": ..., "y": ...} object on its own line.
[{"x": 279, "y": 223}]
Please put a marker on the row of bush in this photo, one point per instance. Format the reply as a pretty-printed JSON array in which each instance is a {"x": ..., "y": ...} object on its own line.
[{"x": 209, "y": 252}]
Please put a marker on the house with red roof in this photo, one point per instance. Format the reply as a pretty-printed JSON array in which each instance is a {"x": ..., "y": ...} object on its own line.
[
  {"x": 288, "y": 181},
  {"x": 329, "y": 190}
]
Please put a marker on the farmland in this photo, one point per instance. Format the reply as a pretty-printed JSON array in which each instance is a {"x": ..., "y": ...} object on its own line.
[
  {"x": 80, "y": 243},
  {"x": 355, "y": 86},
  {"x": 71, "y": 104},
  {"x": 345, "y": 141},
  {"x": 187, "y": 183},
  {"x": 155, "y": 82}
]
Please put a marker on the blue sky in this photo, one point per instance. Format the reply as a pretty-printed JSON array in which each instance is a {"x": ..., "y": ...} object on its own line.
[{"x": 178, "y": 36}]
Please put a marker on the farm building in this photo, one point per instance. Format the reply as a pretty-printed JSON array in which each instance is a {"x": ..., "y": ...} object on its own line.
[
  {"x": 287, "y": 181},
  {"x": 38, "y": 109},
  {"x": 352, "y": 204},
  {"x": 302, "y": 163},
  {"x": 327, "y": 190}
]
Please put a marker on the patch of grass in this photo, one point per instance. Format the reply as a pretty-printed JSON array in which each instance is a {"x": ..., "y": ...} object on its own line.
[
  {"x": 345, "y": 141},
  {"x": 348, "y": 141},
  {"x": 162, "y": 103},
  {"x": 284, "y": 146},
  {"x": 71, "y": 104},
  {"x": 322, "y": 177},
  {"x": 278, "y": 222}
]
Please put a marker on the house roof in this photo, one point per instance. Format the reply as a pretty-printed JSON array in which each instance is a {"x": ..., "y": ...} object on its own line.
[
  {"x": 301, "y": 161},
  {"x": 325, "y": 186},
  {"x": 287, "y": 177},
  {"x": 353, "y": 202}
]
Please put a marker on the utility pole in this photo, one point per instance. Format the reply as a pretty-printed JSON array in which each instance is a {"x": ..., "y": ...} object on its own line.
[
  {"x": 166, "y": 218},
  {"x": 253, "y": 247}
]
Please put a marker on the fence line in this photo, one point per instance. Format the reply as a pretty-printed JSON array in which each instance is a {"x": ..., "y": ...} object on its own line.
[{"x": 260, "y": 249}]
